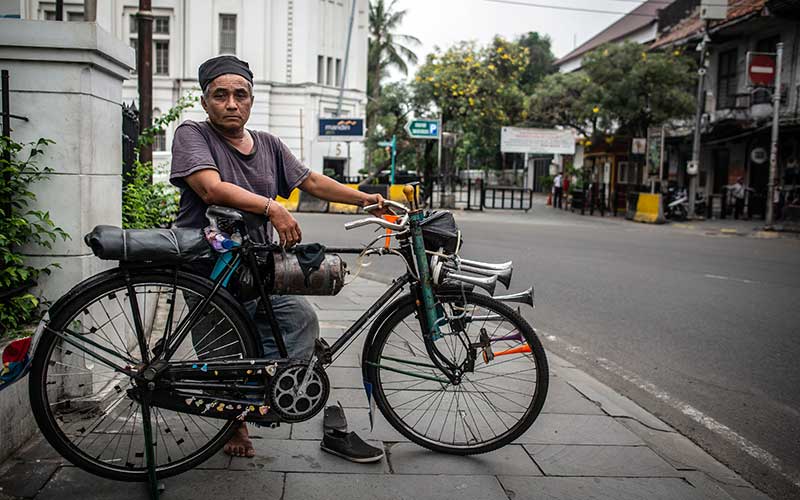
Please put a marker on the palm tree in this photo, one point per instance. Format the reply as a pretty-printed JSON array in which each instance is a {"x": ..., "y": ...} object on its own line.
[{"x": 387, "y": 49}]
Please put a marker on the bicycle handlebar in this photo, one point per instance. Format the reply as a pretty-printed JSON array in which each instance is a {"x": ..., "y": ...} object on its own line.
[
  {"x": 388, "y": 203},
  {"x": 374, "y": 220}
]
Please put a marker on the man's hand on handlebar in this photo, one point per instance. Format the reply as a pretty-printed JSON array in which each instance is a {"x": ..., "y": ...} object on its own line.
[
  {"x": 287, "y": 227},
  {"x": 375, "y": 199}
]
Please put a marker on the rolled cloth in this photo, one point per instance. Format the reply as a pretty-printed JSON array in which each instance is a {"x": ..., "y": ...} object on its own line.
[{"x": 223, "y": 65}]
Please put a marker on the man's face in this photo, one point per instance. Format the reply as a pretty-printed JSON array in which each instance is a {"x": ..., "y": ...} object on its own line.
[{"x": 227, "y": 101}]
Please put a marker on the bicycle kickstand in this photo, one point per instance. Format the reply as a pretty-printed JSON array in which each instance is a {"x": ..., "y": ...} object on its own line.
[{"x": 149, "y": 450}]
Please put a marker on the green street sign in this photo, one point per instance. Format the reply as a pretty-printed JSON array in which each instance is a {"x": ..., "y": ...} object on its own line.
[{"x": 423, "y": 129}]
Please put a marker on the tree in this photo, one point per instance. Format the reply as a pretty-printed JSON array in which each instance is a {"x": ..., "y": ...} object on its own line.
[
  {"x": 621, "y": 89},
  {"x": 540, "y": 59},
  {"x": 477, "y": 92},
  {"x": 387, "y": 49}
]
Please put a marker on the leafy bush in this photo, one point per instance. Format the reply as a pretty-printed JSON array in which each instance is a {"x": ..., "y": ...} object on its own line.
[
  {"x": 19, "y": 226},
  {"x": 146, "y": 204}
]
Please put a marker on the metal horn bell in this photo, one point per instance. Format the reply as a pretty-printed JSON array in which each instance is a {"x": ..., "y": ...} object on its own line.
[
  {"x": 525, "y": 297},
  {"x": 489, "y": 283},
  {"x": 487, "y": 265},
  {"x": 503, "y": 275}
]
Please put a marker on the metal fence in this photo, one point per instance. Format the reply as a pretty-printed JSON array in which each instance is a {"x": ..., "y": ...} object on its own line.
[
  {"x": 477, "y": 195},
  {"x": 130, "y": 138}
]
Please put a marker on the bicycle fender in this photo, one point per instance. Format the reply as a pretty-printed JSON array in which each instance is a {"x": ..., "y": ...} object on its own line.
[{"x": 378, "y": 323}]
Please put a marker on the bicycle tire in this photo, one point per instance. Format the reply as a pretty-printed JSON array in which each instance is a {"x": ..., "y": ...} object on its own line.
[
  {"x": 82, "y": 300},
  {"x": 405, "y": 308}
]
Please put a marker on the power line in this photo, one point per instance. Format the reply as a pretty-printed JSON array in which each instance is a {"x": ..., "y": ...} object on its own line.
[
  {"x": 594, "y": 11},
  {"x": 572, "y": 9}
]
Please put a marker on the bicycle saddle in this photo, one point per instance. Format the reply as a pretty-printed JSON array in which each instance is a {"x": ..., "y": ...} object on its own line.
[
  {"x": 230, "y": 219},
  {"x": 175, "y": 245}
]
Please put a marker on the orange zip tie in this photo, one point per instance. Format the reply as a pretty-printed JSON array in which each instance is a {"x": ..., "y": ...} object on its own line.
[{"x": 525, "y": 348}]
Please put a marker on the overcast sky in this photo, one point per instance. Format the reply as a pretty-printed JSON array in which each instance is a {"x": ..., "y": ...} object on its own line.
[{"x": 444, "y": 22}]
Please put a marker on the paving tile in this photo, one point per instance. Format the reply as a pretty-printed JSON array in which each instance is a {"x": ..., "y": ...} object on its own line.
[
  {"x": 621, "y": 461},
  {"x": 283, "y": 431},
  {"x": 219, "y": 460},
  {"x": 682, "y": 453},
  {"x": 562, "y": 398},
  {"x": 553, "y": 428},
  {"x": 357, "y": 420},
  {"x": 39, "y": 450},
  {"x": 345, "y": 378},
  {"x": 598, "y": 488},
  {"x": 512, "y": 460},
  {"x": 337, "y": 303},
  {"x": 712, "y": 490},
  {"x": 350, "y": 398},
  {"x": 26, "y": 479},
  {"x": 301, "y": 456},
  {"x": 612, "y": 403},
  {"x": 391, "y": 487},
  {"x": 71, "y": 482}
]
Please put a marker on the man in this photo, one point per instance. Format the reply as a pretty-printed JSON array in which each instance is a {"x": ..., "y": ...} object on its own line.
[
  {"x": 220, "y": 162},
  {"x": 558, "y": 190},
  {"x": 738, "y": 191}
]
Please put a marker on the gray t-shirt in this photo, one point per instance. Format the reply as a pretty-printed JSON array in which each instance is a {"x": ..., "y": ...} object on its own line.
[{"x": 269, "y": 170}]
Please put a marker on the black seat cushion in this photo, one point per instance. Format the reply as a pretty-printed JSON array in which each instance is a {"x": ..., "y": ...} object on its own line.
[{"x": 149, "y": 245}]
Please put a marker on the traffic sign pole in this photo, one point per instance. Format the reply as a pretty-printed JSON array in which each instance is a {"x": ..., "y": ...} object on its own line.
[
  {"x": 394, "y": 155},
  {"x": 439, "y": 154},
  {"x": 773, "y": 153}
]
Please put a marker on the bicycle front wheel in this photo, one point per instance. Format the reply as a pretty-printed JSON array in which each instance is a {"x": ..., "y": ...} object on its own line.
[
  {"x": 500, "y": 393},
  {"x": 83, "y": 404}
]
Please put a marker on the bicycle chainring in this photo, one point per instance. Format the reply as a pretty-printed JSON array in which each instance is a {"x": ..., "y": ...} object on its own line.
[{"x": 288, "y": 402}]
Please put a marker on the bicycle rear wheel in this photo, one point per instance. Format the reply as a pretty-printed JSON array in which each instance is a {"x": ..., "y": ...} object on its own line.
[
  {"x": 494, "y": 402},
  {"x": 82, "y": 404}
]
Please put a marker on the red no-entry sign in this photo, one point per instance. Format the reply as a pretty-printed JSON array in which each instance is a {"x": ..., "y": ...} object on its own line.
[{"x": 761, "y": 69}]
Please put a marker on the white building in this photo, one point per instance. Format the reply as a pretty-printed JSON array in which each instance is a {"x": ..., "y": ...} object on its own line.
[
  {"x": 639, "y": 25},
  {"x": 295, "y": 48}
]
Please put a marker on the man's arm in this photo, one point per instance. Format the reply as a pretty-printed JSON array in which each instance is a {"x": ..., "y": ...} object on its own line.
[
  {"x": 328, "y": 189},
  {"x": 214, "y": 191}
]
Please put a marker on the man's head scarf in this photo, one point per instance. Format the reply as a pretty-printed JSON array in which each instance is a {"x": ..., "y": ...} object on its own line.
[{"x": 223, "y": 65}]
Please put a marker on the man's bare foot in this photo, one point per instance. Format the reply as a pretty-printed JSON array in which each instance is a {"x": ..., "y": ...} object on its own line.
[{"x": 240, "y": 444}]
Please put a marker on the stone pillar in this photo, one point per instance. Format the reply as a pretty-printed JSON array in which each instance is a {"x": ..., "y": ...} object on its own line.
[{"x": 66, "y": 78}]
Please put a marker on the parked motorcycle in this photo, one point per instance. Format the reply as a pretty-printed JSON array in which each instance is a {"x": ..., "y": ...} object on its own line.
[{"x": 678, "y": 205}]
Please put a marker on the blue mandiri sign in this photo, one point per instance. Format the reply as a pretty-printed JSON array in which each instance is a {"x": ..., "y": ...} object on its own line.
[{"x": 341, "y": 129}]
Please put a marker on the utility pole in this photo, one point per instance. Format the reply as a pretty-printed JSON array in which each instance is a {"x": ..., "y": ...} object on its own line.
[
  {"x": 698, "y": 116},
  {"x": 773, "y": 153},
  {"x": 346, "y": 59},
  {"x": 144, "y": 73}
]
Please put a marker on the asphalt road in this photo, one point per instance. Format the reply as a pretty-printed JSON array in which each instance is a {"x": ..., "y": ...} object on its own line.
[{"x": 700, "y": 330}]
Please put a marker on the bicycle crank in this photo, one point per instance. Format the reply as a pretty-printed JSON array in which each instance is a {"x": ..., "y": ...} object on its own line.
[{"x": 297, "y": 394}]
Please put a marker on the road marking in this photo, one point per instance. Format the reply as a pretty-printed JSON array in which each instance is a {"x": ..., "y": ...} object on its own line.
[
  {"x": 693, "y": 413},
  {"x": 728, "y": 278}
]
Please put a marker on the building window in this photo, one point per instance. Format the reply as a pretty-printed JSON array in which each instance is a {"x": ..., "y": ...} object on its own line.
[
  {"x": 227, "y": 34},
  {"x": 727, "y": 79},
  {"x": 338, "y": 72},
  {"x": 161, "y": 25},
  {"x": 320, "y": 70},
  {"x": 161, "y": 39},
  {"x": 161, "y": 57},
  {"x": 329, "y": 72},
  {"x": 160, "y": 140},
  {"x": 50, "y": 15}
]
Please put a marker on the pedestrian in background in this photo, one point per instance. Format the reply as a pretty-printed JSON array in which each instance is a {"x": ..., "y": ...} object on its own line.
[
  {"x": 558, "y": 190},
  {"x": 738, "y": 192}
]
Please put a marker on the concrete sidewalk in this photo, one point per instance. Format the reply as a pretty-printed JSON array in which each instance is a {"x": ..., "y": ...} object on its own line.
[{"x": 589, "y": 442}]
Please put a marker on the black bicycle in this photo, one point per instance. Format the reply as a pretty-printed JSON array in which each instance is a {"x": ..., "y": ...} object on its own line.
[{"x": 142, "y": 371}]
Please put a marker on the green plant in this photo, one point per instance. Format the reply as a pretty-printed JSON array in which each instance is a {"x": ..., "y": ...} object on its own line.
[
  {"x": 546, "y": 182},
  {"x": 146, "y": 204},
  {"x": 20, "y": 225}
]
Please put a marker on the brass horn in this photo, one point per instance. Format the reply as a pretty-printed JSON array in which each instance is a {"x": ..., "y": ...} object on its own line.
[
  {"x": 525, "y": 297},
  {"x": 489, "y": 283},
  {"x": 487, "y": 265},
  {"x": 503, "y": 275}
]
